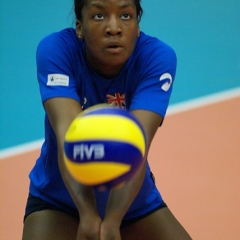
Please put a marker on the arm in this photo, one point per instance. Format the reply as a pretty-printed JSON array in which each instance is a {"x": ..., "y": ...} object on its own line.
[
  {"x": 61, "y": 112},
  {"x": 121, "y": 199}
]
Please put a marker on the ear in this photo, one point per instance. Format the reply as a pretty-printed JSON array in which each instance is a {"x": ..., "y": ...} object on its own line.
[{"x": 79, "y": 29}]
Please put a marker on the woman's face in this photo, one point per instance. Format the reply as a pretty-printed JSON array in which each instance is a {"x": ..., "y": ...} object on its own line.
[{"x": 109, "y": 29}]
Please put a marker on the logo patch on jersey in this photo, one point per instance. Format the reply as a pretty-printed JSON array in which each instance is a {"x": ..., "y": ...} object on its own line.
[
  {"x": 58, "y": 80},
  {"x": 168, "y": 83},
  {"x": 116, "y": 100}
]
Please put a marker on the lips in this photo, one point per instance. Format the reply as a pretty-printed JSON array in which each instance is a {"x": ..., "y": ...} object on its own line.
[{"x": 114, "y": 47}]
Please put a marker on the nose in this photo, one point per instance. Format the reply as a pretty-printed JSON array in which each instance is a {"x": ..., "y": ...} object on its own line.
[{"x": 113, "y": 26}]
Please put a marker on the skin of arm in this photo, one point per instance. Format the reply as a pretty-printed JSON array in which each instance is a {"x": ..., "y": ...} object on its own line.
[
  {"x": 120, "y": 199},
  {"x": 61, "y": 112}
]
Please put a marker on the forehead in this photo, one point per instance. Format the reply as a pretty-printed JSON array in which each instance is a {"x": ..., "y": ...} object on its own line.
[{"x": 119, "y": 3}]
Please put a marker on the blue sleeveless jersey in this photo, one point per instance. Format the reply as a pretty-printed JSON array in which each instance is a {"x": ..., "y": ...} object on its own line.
[{"x": 145, "y": 82}]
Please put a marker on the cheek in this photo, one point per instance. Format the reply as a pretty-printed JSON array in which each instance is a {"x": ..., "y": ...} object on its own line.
[
  {"x": 91, "y": 37},
  {"x": 132, "y": 40},
  {"x": 138, "y": 32},
  {"x": 90, "y": 40},
  {"x": 92, "y": 45}
]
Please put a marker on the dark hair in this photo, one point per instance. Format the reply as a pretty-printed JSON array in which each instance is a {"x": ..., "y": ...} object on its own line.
[{"x": 78, "y": 6}]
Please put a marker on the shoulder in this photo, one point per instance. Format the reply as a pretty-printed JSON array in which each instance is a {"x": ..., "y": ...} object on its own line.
[
  {"x": 150, "y": 42},
  {"x": 64, "y": 39},
  {"x": 60, "y": 48},
  {"x": 149, "y": 47},
  {"x": 64, "y": 35},
  {"x": 153, "y": 57}
]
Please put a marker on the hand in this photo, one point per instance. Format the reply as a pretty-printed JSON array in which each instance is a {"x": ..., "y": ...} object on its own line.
[
  {"x": 89, "y": 228},
  {"x": 110, "y": 230}
]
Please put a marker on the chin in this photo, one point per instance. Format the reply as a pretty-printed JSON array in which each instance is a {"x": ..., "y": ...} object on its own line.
[{"x": 116, "y": 60}]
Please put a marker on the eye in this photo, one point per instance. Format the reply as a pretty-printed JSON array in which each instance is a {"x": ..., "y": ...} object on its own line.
[
  {"x": 98, "y": 16},
  {"x": 126, "y": 16}
]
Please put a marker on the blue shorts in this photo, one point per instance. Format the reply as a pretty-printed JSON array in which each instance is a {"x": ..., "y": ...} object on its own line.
[{"x": 35, "y": 204}]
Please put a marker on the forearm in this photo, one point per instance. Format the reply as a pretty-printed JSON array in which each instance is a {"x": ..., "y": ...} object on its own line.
[
  {"x": 121, "y": 198},
  {"x": 83, "y": 196},
  {"x": 61, "y": 112}
]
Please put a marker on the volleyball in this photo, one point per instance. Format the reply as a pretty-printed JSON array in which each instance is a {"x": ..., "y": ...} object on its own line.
[{"x": 104, "y": 147}]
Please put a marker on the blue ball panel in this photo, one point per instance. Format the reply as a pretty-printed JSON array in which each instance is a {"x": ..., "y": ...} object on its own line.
[{"x": 112, "y": 151}]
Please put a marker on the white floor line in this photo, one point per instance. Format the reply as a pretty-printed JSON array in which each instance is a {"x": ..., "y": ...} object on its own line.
[
  {"x": 203, "y": 101},
  {"x": 173, "y": 109},
  {"x": 22, "y": 148}
]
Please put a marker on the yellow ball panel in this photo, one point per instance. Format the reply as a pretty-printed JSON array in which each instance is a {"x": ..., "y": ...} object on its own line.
[
  {"x": 94, "y": 173},
  {"x": 106, "y": 127}
]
